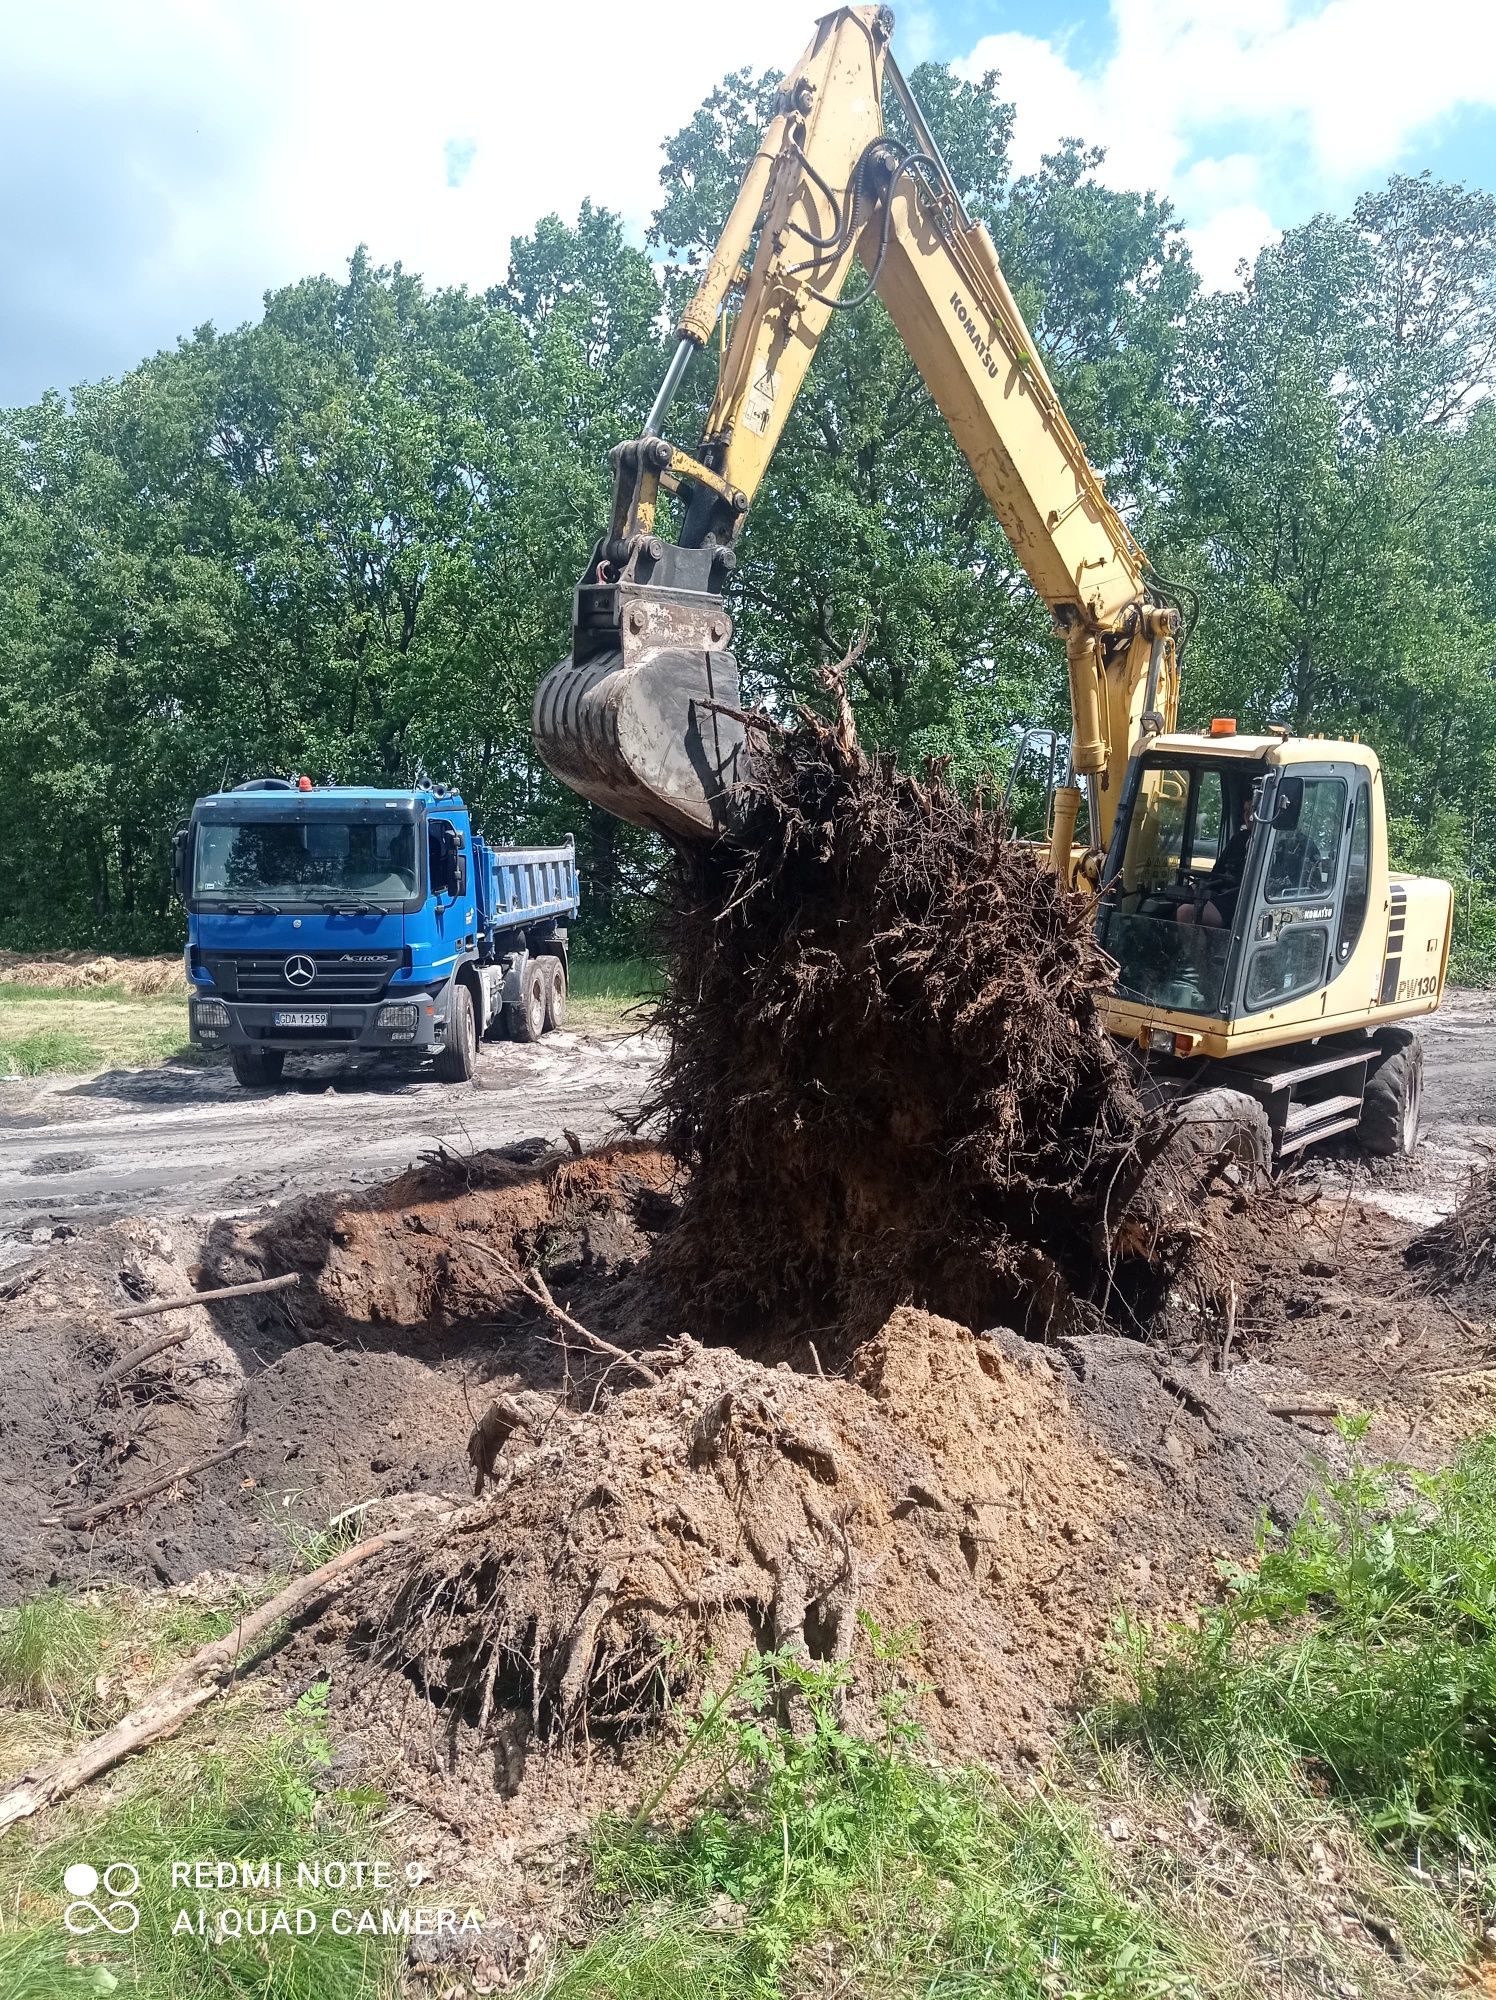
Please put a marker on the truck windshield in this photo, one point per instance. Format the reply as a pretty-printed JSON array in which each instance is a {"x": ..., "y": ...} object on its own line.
[{"x": 310, "y": 860}]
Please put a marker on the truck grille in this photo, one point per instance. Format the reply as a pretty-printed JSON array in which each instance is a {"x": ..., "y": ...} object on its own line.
[{"x": 346, "y": 976}]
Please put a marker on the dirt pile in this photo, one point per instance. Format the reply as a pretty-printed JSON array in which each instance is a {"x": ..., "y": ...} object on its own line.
[
  {"x": 83, "y": 971},
  {"x": 995, "y": 1503},
  {"x": 360, "y": 1385},
  {"x": 886, "y": 1069}
]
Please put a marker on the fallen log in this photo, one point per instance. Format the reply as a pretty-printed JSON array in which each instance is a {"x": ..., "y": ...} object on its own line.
[
  {"x": 198, "y": 1682},
  {"x": 1300, "y": 1406},
  {"x": 85, "y": 1517},
  {"x": 184, "y": 1299}
]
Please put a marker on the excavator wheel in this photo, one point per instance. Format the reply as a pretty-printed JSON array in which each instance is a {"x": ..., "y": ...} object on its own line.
[
  {"x": 1220, "y": 1124},
  {"x": 1393, "y": 1106}
]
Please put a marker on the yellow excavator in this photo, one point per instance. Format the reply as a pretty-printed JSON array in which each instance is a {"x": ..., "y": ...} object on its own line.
[{"x": 1267, "y": 958}]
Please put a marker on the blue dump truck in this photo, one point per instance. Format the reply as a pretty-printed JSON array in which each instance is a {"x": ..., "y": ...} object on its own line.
[{"x": 340, "y": 917}]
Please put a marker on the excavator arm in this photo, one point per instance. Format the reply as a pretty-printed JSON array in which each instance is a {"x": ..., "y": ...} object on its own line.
[{"x": 643, "y": 716}]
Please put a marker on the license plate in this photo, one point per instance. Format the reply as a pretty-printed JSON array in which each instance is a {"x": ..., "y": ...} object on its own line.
[{"x": 292, "y": 1018}]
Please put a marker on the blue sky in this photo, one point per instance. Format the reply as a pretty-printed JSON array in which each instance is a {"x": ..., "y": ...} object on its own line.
[{"x": 163, "y": 163}]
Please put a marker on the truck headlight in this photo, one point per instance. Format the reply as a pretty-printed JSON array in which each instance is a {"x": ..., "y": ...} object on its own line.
[
  {"x": 399, "y": 1019},
  {"x": 210, "y": 1017}
]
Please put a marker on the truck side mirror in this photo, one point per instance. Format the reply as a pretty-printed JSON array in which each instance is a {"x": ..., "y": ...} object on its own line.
[
  {"x": 448, "y": 862},
  {"x": 181, "y": 860}
]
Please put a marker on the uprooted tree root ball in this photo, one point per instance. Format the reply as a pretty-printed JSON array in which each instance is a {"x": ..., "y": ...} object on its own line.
[
  {"x": 631, "y": 1556},
  {"x": 887, "y": 1072}
]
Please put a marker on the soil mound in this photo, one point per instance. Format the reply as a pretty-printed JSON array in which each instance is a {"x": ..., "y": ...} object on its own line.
[
  {"x": 81, "y": 971},
  {"x": 994, "y": 1504},
  {"x": 886, "y": 1069},
  {"x": 1458, "y": 1255}
]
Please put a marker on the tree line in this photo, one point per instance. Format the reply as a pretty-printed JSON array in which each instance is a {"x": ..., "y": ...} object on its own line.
[{"x": 343, "y": 539}]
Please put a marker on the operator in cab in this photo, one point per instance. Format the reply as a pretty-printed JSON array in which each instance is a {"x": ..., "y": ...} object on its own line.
[{"x": 1215, "y": 906}]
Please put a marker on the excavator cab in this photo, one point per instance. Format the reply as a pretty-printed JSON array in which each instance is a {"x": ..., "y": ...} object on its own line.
[
  {"x": 1232, "y": 886},
  {"x": 1247, "y": 900}
]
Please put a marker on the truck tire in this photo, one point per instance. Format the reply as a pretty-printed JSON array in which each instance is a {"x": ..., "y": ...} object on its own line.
[
  {"x": 1393, "y": 1107},
  {"x": 525, "y": 1020},
  {"x": 458, "y": 1058},
  {"x": 258, "y": 1069},
  {"x": 553, "y": 974}
]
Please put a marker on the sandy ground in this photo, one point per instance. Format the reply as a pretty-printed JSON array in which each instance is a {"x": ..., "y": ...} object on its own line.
[{"x": 180, "y": 1140}]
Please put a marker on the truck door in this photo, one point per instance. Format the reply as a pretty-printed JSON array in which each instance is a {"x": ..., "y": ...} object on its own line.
[
  {"x": 447, "y": 860},
  {"x": 1299, "y": 930}
]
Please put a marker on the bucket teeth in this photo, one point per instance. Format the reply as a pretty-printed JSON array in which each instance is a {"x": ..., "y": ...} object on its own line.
[{"x": 638, "y": 728}]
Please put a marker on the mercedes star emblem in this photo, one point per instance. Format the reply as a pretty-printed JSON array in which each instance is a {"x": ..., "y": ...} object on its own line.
[{"x": 299, "y": 970}]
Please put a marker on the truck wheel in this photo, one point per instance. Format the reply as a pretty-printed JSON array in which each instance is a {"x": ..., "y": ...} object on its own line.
[
  {"x": 257, "y": 1069},
  {"x": 1393, "y": 1107},
  {"x": 525, "y": 1021},
  {"x": 457, "y": 1060},
  {"x": 553, "y": 973}
]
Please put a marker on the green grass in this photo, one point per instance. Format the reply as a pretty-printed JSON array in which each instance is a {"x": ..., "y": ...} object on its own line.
[
  {"x": 611, "y": 993},
  {"x": 1357, "y": 1660},
  {"x": 254, "y": 1797},
  {"x": 820, "y": 1862},
  {"x": 240, "y": 1784},
  {"x": 50, "y": 1652},
  {"x": 47, "y": 1050},
  {"x": 15, "y": 993},
  {"x": 45, "y": 1031}
]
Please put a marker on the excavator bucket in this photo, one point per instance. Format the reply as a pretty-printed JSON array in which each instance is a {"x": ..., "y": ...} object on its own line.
[{"x": 641, "y": 718}]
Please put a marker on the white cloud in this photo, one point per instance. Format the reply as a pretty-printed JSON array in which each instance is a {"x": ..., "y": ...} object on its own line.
[
  {"x": 1244, "y": 111},
  {"x": 164, "y": 164}
]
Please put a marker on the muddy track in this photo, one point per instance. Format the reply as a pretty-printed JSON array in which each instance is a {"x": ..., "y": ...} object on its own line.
[{"x": 181, "y": 1140}]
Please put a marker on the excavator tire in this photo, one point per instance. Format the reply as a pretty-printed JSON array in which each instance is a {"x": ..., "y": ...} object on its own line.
[
  {"x": 1220, "y": 1124},
  {"x": 525, "y": 1021},
  {"x": 553, "y": 973},
  {"x": 257, "y": 1069},
  {"x": 1393, "y": 1106}
]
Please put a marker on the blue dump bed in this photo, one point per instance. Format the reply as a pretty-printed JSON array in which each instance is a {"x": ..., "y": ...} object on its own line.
[{"x": 520, "y": 885}]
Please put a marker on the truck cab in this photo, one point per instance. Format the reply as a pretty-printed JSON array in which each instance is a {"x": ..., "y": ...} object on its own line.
[{"x": 354, "y": 918}]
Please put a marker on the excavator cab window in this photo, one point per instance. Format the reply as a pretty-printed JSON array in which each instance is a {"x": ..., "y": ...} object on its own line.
[{"x": 1181, "y": 852}]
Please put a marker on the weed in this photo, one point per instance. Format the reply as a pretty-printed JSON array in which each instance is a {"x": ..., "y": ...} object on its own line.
[
  {"x": 46, "y": 1050},
  {"x": 1360, "y": 1652},
  {"x": 50, "y": 1650},
  {"x": 815, "y": 1858}
]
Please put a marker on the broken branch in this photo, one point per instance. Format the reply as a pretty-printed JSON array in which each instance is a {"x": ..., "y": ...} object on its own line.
[
  {"x": 202, "y": 1678},
  {"x": 535, "y": 1288},
  {"x": 85, "y": 1517},
  {"x": 185, "y": 1299}
]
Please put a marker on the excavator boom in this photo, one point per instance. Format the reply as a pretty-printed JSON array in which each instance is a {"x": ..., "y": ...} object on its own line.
[{"x": 643, "y": 716}]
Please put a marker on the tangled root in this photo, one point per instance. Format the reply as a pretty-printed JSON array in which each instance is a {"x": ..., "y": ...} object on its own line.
[
  {"x": 616, "y": 1557},
  {"x": 887, "y": 1071}
]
